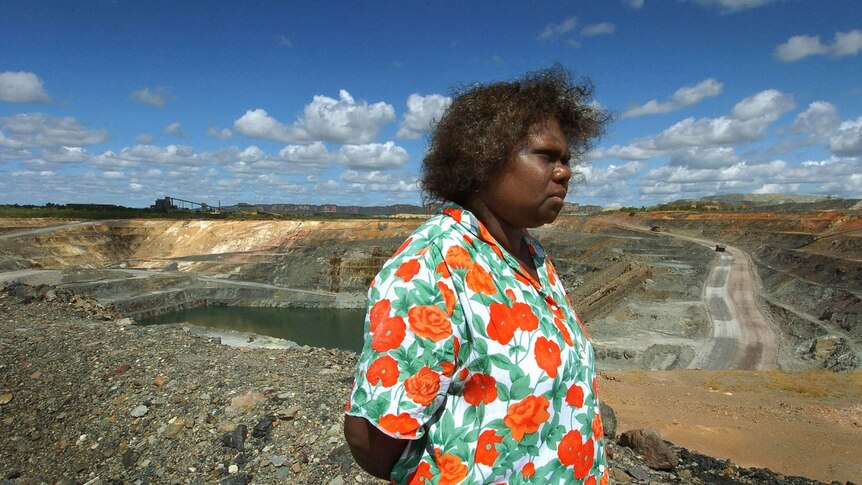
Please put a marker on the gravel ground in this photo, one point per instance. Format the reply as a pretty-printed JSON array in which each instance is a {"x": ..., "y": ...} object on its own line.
[{"x": 88, "y": 398}]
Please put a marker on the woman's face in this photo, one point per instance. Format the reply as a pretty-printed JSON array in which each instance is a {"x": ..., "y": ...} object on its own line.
[{"x": 531, "y": 189}]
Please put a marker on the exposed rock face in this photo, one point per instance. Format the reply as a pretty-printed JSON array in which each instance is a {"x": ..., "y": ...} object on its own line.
[
  {"x": 657, "y": 454},
  {"x": 623, "y": 282},
  {"x": 88, "y": 398}
]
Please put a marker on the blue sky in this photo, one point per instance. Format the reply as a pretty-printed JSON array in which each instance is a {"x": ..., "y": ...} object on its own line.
[{"x": 330, "y": 101}]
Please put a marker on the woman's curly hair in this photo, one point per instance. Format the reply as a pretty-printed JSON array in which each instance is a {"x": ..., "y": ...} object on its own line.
[{"x": 484, "y": 123}]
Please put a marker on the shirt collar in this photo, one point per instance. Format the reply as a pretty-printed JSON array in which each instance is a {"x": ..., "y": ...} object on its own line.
[{"x": 468, "y": 220}]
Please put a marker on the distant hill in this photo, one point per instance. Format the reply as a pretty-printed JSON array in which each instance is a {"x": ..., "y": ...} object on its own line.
[
  {"x": 341, "y": 209},
  {"x": 767, "y": 199},
  {"x": 760, "y": 202}
]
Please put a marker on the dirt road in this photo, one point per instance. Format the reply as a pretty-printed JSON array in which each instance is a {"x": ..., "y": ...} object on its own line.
[{"x": 742, "y": 336}]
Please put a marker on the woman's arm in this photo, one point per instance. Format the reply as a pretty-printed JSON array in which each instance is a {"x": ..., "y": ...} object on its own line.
[{"x": 373, "y": 450}]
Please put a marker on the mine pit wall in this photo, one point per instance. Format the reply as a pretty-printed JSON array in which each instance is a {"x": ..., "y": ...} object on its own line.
[{"x": 809, "y": 266}]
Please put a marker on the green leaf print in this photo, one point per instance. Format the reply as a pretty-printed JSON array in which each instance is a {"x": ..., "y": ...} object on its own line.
[
  {"x": 360, "y": 397},
  {"x": 502, "y": 362},
  {"x": 521, "y": 388},
  {"x": 515, "y": 372},
  {"x": 503, "y": 392},
  {"x": 378, "y": 406}
]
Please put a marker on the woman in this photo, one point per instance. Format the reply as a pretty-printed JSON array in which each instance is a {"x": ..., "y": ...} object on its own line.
[{"x": 475, "y": 367}]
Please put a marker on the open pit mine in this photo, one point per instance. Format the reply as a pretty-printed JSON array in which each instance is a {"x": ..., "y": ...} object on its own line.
[{"x": 657, "y": 290}]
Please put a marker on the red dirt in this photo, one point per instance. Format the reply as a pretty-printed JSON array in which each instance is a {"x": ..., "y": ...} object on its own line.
[{"x": 806, "y": 424}]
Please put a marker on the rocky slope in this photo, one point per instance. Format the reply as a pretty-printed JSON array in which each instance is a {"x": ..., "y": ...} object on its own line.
[{"x": 87, "y": 398}]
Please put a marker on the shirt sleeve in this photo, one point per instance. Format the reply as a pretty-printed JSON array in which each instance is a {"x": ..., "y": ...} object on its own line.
[{"x": 412, "y": 324}]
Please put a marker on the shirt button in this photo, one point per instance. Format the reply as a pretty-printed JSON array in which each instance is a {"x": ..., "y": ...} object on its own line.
[{"x": 554, "y": 307}]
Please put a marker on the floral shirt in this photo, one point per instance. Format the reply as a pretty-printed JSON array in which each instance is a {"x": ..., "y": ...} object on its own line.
[{"x": 487, "y": 371}]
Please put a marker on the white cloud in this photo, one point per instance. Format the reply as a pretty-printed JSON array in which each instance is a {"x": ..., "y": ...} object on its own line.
[
  {"x": 603, "y": 28},
  {"x": 820, "y": 119},
  {"x": 748, "y": 122},
  {"x": 158, "y": 97},
  {"x": 41, "y": 130},
  {"x": 767, "y": 105},
  {"x": 847, "y": 139},
  {"x": 65, "y": 154},
  {"x": 344, "y": 120},
  {"x": 847, "y": 43},
  {"x": 373, "y": 156},
  {"x": 422, "y": 113},
  {"x": 635, "y": 4},
  {"x": 801, "y": 46},
  {"x": 114, "y": 175},
  {"x": 21, "y": 87},
  {"x": 145, "y": 138},
  {"x": 174, "y": 129},
  {"x": 683, "y": 97},
  {"x": 612, "y": 173},
  {"x": 258, "y": 124},
  {"x": 221, "y": 134},
  {"x": 705, "y": 157},
  {"x": 313, "y": 154},
  {"x": 731, "y": 6},
  {"x": 325, "y": 119},
  {"x": 174, "y": 155},
  {"x": 556, "y": 30}
]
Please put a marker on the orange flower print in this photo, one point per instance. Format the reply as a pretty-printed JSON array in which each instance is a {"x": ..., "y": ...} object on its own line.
[
  {"x": 408, "y": 270},
  {"x": 389, "y": 334},
  {"x": 554, "y": 308},
  {"x": 429, "y": 321},
  {"x": 567, "y": 452},
  {"x": 458, "y": 258},
  {"x": 443, "y": 270},
  {"x": 383, "y": 371},
  {"x": 528, "y": 470},
  {"x": 447, "y": 368},
  {"x": 468, "y": 240},
  {"x": 422, "y": 387},
  {"x": 552, "y": 274},
  {"x": 402, "y": 425},
  {"x": 463, "y": 374},
  {"x": 575, "y": 396},
  {"x": 486, "y": 236},
  {"x": 379, "y": 312},
  {"x": 479, "y": 280},
  {"x": 598, "y": 429},
  {"x": 486, "y": 452},
  {"x": 604, "y": 479},
  {"x": 590, "y": 481},
  {"x": 448, "y": 297},
  {"x": 522, "y": 279},
  {"x": 584, "y": 459},
  {"x": 422, "y": 475},
  {"x": 572, "y": 452},
  {"x": 567, "y": 337},
  {"x": 452, "y": 470},
  {"x": 403, "y": 246},
  {"x": 527, "y": 320},
  {"x": 453, "y": 213},
  {"x": 502, "y": 325},
  {"x": 547, "y": 356},
  {"x": 480, "y": 388},
  {"x": 527, "y": 416}
]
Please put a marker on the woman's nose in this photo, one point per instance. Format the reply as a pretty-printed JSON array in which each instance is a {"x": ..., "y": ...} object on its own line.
[{"x": 562, "y": 172}]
